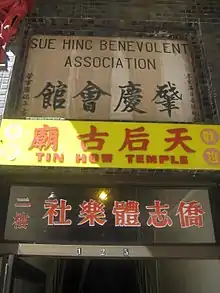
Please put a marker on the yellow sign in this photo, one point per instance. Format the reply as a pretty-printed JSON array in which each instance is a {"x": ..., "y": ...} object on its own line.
[{"x": 109, "y": 144}]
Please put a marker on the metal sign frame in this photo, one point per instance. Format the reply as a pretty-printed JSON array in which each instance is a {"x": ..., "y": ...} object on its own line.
[{"x": 208, "y": 251}]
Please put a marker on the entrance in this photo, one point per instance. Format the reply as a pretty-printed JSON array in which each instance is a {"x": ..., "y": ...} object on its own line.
[
  {"x": 19, "y": 276},
  {"x": 145, "y": 254},
  {"x": 44, "y": 274},
  {"x": 57, "y": 275}
]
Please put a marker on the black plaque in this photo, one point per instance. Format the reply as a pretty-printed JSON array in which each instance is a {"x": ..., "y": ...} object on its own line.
[
  {"x": 38, "y": 230},
  {"x": 27, "y": 202}
]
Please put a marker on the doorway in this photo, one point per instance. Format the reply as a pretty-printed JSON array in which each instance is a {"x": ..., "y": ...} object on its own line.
[
  {"x": 19, "y": 276},
  {"x": 76, "y": 275},
  {"x": 80, "y": 275}
]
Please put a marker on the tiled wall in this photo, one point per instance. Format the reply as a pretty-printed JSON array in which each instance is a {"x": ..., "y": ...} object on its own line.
[{"x": 5, "y": 77}]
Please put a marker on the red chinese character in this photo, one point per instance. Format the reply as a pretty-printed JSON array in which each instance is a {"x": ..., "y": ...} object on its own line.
[
  {"x": 135, "y": 139},
  {"x": 190, "y": 214},
  {"x": 57, "y": 208},
  {"x": 92, "y": 212},
  {"x": 178, "y": 139},
  {"x": 20, "y": 221},
  {"x": 159, "y": 218},
  {"x": 45, "y": 137},
  {"x": 126, "y": 213},
  {"x": 92, "y": 137}
]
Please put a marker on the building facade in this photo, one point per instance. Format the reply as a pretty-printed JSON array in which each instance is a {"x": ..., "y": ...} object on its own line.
[{"x": 116, "y": 99}]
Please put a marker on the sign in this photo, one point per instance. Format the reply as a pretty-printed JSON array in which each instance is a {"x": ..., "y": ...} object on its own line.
[
  {"x": 78, "y": 213},
  {"x": 109, "y": 145},
  {"x": 126, "y": 214},
  {"x": 93, "y": 78}
]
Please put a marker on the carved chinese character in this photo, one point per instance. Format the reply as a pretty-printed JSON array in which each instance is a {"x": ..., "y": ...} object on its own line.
[
  {"x": 179, "y": 139},
  {"x": 190, "y": 214},
  {"x": 135, "y": 139},
  {"x": 20, "y": 221},
  {"x": 167, "y": 95},
  {"x": 126, "y": 213},
  {"x": 159, "y": 218},
  {"x": 56, "y": 212},
  {"x": 92, "y": 212},
  {"x": 93, "y": 140},
  {"x": 131, "y": 97},
  {"x": 90, "y": 96},
  {"x": 45, "y": 138},
  {"x": 53, "y": 95}
]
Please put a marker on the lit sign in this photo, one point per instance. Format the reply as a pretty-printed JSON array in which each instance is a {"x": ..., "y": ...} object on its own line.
[{"x": 109, "y": 144}]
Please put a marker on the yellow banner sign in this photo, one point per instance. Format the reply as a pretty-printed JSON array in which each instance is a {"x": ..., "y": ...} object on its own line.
[{"x": 109, "y": 144}]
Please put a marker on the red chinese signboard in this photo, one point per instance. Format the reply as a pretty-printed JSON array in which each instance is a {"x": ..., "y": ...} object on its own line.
[
  {"x": 111, "y": 215},
  {"x": 126, "y": 214}
]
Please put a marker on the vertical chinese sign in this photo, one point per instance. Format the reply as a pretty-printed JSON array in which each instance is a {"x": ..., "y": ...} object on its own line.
[{"x": 21, "y": 218}]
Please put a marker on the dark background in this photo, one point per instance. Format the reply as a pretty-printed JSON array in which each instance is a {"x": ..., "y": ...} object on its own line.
[{"x": 39, "y": 231}]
